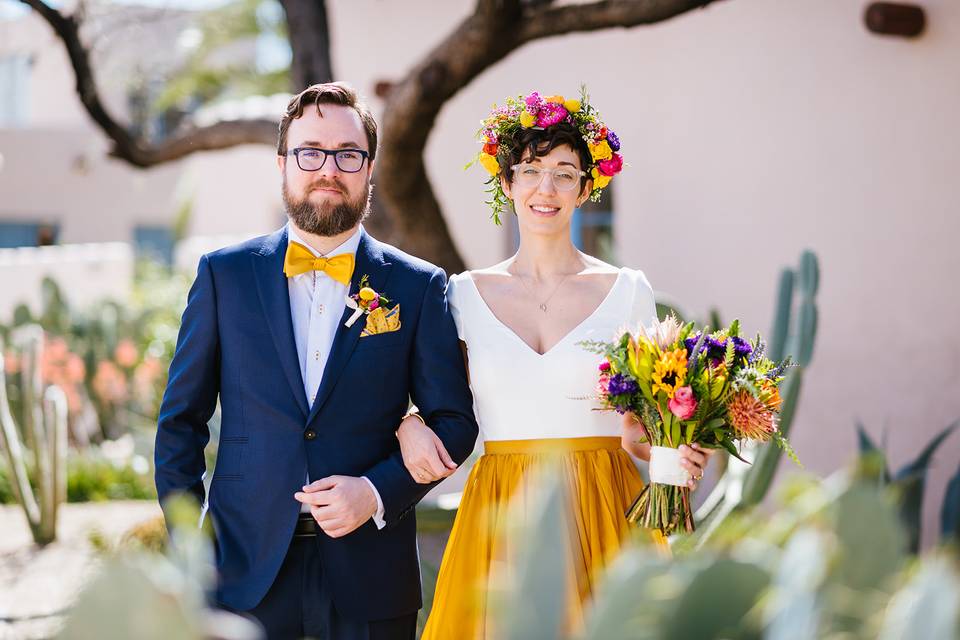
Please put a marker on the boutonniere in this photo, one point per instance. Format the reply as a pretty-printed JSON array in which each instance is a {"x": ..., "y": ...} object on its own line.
[{"x": 364, "y": 301}]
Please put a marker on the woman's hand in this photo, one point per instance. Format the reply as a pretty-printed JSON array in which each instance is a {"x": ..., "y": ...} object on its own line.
[
  {"x": 423, "y": 452},
  {"x": 632, "y": 433},
  {"x": 694, "y": 459}
]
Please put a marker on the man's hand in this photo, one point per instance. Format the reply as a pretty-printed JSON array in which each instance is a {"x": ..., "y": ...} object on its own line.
[
  {"x": 339, "y": 504},
  {"x": 423, "y": 452}
]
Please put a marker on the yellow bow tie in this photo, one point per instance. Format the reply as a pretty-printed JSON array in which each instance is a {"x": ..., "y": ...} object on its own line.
[{"x": 300, "y": 259}]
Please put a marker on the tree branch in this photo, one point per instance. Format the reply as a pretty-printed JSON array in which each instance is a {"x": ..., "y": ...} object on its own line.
[
  {"x": 217, "y": 136},
  {"x": 542, "y": 23}
]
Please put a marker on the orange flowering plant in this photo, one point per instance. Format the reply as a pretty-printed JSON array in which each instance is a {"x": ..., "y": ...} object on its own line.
[{"x": 716, "y": 389}]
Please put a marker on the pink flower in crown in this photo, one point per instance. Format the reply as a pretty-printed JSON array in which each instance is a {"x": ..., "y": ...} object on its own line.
[
  {"x": 604, "y": 366},
  {"x": 533, "y": 102},
  {"x": 612, "y": 166},
  {"x": 683, "y": 404},
  {"x": 550, "y": 114}
]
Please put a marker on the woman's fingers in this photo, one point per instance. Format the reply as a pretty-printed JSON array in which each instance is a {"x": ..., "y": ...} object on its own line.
[{"x": 444, "y": 456}]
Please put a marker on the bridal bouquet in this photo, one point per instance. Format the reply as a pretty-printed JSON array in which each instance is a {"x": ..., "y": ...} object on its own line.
[{"x": 686, "y": 386}]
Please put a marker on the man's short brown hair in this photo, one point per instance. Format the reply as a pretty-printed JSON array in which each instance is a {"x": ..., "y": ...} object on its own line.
[{"x": 328, "y": 93}]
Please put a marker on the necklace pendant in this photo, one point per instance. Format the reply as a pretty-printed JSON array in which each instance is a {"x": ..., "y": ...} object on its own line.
[{"x": 543, "y": 307}]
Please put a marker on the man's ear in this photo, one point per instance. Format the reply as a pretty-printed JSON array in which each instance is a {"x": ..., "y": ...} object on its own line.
[
  {"x": 370, "y": 164},
  {"x": 281, "y": 162}
]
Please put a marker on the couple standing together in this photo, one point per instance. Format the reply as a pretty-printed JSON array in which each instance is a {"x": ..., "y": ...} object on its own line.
[{"x": 316, "y": 339}]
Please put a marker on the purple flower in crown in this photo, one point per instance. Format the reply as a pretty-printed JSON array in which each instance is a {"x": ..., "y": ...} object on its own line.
[
  {"x": 613, "y": 140},
  {"x": 550, "y": 114}
]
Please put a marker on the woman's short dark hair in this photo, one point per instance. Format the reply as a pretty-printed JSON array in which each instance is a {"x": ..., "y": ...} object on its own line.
[{"x": 534, "y": 143}]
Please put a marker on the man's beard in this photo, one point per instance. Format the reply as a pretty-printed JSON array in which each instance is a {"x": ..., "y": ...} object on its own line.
[{"x": 327, "y": 219}]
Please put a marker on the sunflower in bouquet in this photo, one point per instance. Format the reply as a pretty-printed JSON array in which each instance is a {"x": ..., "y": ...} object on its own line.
[{"x": 717, "y": 389}]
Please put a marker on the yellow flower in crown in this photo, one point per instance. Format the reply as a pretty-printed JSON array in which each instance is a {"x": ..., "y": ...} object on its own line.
[
  {"x": 571, "y": 105},
  {"x": 527, "y": 119},
  {"x": 599, "y": 180},
  {"x": 669, "y": 372},
  {"x": 601, "y": 151},
  {"x": 490, "y": 164}
]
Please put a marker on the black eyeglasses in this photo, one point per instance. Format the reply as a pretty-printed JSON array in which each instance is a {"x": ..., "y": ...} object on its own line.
[{"x": 313, "y": 159}]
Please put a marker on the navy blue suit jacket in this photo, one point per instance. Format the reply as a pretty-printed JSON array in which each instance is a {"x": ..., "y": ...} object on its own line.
[{"x": 236, "y": 343}]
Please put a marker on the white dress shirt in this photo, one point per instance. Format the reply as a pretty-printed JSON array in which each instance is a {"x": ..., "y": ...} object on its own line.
[{"x": 316, "y": 305}]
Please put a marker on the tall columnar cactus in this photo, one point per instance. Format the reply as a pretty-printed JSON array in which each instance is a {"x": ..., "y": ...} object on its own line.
[
  {"x": 793, "y": 334},
  {"x": 44, "y": 428}
]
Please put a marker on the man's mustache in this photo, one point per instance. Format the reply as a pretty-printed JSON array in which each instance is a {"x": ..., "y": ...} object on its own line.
[{"x": 327, "y": 184}]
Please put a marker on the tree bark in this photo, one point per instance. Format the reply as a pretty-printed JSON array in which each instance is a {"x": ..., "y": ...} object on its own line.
[{"x": 309, "y": 34}]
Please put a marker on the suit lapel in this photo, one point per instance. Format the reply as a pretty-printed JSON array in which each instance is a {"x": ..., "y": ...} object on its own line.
[
  {"x": 275, "y": 298},
  {"x": 369, "y": 262}
]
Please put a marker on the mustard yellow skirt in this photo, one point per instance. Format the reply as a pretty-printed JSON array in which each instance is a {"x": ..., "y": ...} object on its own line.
[{"x": 602, "y": 481}]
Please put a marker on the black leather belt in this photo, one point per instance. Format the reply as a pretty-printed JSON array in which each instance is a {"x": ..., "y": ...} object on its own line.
[{"x": 306, "y": 527}]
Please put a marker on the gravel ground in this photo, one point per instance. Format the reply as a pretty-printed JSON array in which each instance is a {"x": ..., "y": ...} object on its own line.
[{"x": 37, "y": 584}]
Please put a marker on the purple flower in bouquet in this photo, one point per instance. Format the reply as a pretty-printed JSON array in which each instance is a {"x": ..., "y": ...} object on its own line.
[
  {"x": 621, "y": 385},
  {"x": 741, "y": 347}
]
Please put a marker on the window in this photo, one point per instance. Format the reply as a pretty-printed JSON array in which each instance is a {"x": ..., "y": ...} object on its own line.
[
  {"x": 592, "y": 227},
  {"x": 14, "y": 78},
  {"x": 154, "y": 243},
  {"x": 27, "y": 234}
]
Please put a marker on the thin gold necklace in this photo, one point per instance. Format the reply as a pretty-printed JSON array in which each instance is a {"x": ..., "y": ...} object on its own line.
[{"x": 543, "y": 305}]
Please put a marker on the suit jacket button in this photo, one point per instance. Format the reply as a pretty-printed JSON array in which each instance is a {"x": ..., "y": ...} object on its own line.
[{"x": 309, "y": 434}]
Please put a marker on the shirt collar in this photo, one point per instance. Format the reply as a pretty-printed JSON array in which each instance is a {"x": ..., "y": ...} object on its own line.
[{"x": 349, "y": 245}]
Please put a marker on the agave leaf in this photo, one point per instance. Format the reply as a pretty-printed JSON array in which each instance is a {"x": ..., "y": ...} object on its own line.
[
  {"x": 910, "y": 482},
  {"x": 717, "y": 600},
  {"x": 950, "y": 513}
]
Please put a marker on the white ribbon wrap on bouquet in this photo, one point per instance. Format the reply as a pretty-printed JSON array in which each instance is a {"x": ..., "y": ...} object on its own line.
[{"x": 665, "y": 467}]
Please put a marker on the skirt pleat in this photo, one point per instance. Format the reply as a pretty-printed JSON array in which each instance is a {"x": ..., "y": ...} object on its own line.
[{"x": 601, "y": 482}]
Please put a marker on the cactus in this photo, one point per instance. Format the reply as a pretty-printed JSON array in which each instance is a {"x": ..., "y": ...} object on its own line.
[
  {"x": 742, "y": 485},
  {"x": 44, "y": 421}
]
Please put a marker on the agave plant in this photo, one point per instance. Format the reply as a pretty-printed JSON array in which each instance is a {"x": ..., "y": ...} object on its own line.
[{"x": 909, "y": 483}]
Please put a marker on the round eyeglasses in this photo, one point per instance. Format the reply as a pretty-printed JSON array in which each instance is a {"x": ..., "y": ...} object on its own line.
[
  {"x": 564, "y": 178},
  {"x": 313, "y": 159}
]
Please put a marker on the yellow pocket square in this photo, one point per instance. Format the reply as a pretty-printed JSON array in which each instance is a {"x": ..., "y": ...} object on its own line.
[{"x": 381, "y": 320}]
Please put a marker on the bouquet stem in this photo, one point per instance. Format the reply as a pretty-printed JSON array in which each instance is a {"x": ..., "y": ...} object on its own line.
[{"x": 664, "y": 507}]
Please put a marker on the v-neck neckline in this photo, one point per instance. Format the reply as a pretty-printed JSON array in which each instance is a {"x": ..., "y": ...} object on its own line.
[{"x": 559, "y": 342}]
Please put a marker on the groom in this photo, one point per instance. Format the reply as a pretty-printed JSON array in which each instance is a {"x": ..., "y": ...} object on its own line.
[{"x": 315, "y": 339}]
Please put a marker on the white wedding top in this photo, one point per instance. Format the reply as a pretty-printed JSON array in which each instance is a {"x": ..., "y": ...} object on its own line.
[{"x": 519, "y": 394}]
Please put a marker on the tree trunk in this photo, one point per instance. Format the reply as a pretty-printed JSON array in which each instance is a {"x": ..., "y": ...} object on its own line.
[{"x": 309, "y": 34}]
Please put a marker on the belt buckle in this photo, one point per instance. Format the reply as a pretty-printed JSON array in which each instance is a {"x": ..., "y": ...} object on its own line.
[{"x": 306, "y": 527}]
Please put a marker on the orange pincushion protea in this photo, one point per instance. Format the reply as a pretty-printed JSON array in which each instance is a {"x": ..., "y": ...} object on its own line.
[{"x": 751, "y": 418}]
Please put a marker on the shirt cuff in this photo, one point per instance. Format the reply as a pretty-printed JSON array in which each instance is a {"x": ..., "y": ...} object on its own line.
[{"x": 378, "y": 516}]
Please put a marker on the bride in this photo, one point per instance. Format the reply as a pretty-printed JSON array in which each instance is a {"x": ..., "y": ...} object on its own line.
[{"x": 520, "y": 322}]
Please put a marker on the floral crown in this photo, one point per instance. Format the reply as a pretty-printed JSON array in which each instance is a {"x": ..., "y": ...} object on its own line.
[{"x": 504, "y": 124}]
